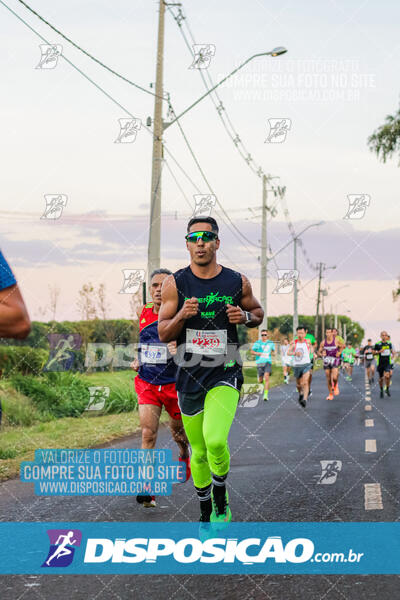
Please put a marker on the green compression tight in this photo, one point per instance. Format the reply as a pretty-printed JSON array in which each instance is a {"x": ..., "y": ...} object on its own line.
[{"x": 208, "y": 433}]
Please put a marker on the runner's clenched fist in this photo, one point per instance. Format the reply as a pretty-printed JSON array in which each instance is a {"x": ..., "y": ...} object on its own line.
[
  {"x": 235, "y": 314},
  {"x": 190, "y": 308}
]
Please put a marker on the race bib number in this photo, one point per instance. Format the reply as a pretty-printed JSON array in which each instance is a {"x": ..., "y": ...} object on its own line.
[
  {"x": 206, "y": 341},
  {"x": 329, "y": 360},
  {"x": 369, "y": 356},
  {"x": 385, "y": 352},
  {"x": 152, "y": 354}
]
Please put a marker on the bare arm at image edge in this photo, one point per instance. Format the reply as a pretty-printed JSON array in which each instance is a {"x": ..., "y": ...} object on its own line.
[{"x": 14, "y": 318}]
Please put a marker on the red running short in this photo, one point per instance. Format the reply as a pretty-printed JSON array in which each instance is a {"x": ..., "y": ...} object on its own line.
[{"x": 158, "y": 395}]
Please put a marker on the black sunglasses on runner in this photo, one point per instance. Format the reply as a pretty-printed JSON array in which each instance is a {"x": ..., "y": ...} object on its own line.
[{"x": 206, "y": 236}]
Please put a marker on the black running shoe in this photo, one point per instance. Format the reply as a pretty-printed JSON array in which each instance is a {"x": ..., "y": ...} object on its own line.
[
  {"x": 309, "y": 393},
  {"x": 146, "y": 500},
  {"x": 388, "y": 391},
  {"x": 302, "y": 402}
]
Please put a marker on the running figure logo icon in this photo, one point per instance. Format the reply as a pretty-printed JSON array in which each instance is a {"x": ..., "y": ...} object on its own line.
[
  {"x": 98, "y": 397},
  {"x": 330, "y": 470},
  {"x": 202, "y": 55},
  {"x": 55, "y": 204},
  {"x": 286, "y": 280},
  {"x": 251, "y": 394},
  {"x": 62, "y": 351},
  {"x": 49, "y": 56},
  {"x": 278, "y": 129},
  {"x": 128, "y": 129},
  {"x": 358, "y": 204},
  {"x": 62, "y": 547},
  {"x": 204, "y": 203},
  {"x": 133, "y": 278}
]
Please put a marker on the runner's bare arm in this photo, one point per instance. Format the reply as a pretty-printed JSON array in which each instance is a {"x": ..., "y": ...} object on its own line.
[
  {"x": 170, "y": 320},
  {"x": 14, "y": 318},
  {"x": 249, "y": 303},
  {"x": 320, "y": 349}
]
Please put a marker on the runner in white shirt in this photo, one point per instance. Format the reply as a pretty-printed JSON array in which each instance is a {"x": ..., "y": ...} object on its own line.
[
  {"x": 301, "y": 350},
  {"x": 287, "y": 361}
]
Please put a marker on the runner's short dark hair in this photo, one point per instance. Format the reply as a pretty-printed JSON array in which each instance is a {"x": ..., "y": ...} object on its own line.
[
  {"x": 301, "y": 327},
  {"x": 210, "y": 220},
  {"x": 160, "y": 272}
]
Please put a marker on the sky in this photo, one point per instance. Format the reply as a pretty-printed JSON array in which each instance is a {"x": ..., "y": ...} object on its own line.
[{"x": 335, "y": 85}]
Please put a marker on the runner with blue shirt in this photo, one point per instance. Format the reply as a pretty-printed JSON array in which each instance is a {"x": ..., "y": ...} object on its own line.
[
  {"x": 263, "y": 350},
  {"x": 14, "y": 318}
]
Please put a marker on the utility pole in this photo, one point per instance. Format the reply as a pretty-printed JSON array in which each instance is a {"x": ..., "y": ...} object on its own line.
[
  {"x": 153, "y": 252},
  {"x": 318, "y": 301},
  {"x": 295, "y": 308},
  {"x": 323, "y": 315},
  {"x": 264, "y": 260}
]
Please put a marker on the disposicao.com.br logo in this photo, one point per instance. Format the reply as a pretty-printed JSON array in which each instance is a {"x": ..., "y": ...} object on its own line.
[{"x": 247, "y": 551}]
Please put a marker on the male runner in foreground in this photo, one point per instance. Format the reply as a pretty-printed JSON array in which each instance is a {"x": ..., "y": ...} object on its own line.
[
  {"x": 263, "y": 350},
  {"x": 14, "y": 318},
  {"x": 155, "y": 383},
  {"x": 301, "y": 350},
  {"x": 368, "y": 354},
  {"x": 330, "y": 349},
  {"x": 201, "y": 306},
  {"x": 384, "y": 352}
]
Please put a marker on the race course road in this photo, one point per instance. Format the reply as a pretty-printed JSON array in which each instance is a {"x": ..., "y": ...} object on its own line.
[{"x": 277, "y": 448}]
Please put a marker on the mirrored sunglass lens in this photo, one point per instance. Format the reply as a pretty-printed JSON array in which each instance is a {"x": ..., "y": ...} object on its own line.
[{"x": 206, "y": 236}]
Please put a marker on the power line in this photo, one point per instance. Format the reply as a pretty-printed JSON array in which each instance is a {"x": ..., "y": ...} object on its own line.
[
  {"x": 96, "y": 60},
  {"x": 220, "y": 108},
  {"x": 120, "y": 105},
  {"x": 188, "y": 202}
]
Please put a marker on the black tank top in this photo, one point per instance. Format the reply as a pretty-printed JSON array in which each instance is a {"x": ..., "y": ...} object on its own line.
[{"x": 208, "y": 343}]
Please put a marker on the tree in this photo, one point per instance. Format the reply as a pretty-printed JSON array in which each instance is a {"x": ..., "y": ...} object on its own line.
[
  {"x": 87, "y": 302},
  {"x": 102, "y": 303},
  {"x": 54, "y": 292},
  {"x": 385, "y": 141}
]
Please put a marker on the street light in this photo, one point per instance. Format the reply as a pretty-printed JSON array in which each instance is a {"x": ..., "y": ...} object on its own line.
[{"x": 275, "y": 52}]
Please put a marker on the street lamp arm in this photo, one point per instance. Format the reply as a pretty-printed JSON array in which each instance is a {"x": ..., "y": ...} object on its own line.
[
  {"x": 271, "y": 53},
  {"x": 296, "y": 237}
]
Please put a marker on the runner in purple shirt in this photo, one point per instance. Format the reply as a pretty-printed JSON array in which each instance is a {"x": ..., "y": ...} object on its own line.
[{"x": 330, "y": 350}]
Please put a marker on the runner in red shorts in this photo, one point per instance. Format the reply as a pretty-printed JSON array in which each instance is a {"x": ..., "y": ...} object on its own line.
[{"x": 155, "y": 382}]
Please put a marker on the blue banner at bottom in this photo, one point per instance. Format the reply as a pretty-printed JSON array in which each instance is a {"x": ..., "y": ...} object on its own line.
[{"x": 199, "y": 548}]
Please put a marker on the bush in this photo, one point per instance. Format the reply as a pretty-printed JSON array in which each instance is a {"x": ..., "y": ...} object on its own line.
[
  {"x": 66, "y": 394},
  {"x": 19, "y": 410},
  {"x": 21, "y": 359},
  {"x": 55, "y": 394},
  {"x": 122, "y": 399}
]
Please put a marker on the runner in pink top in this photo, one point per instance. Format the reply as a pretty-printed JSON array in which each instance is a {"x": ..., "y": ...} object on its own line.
[{"x": 330, "y": 350}]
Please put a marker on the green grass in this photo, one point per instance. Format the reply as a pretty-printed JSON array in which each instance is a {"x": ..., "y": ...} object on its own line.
[{"x": 25, "y": 429}]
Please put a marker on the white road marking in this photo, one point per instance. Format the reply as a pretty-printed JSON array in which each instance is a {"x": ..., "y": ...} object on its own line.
[
  {"x": 368, "y": 407},
  {"x": 373, "y": 496},
  {"x": 369, "y": 422},
  {"x": 370, "y": 445}
]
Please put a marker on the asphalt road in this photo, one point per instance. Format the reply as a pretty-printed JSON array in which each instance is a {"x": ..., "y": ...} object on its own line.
[{"x": 277, "y": 448}]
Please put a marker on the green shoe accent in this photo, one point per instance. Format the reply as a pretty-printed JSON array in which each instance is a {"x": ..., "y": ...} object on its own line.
[
  {"x": 221, "y": 518},
  {"x": 265, "y": 394}
]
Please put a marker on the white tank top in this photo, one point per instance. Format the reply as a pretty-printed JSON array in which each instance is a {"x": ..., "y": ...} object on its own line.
[{"x": 304, "y": 350}]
